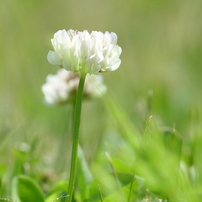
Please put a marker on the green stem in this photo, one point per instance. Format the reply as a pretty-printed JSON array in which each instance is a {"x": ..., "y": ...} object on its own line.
[{"x": 76, "y": 126}]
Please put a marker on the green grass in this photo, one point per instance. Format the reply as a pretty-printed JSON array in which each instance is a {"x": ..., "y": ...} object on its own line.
[{"x": 162, "y": 46}]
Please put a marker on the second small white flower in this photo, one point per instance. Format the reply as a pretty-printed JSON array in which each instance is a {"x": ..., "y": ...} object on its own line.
[{"x": 61, "y": 88}]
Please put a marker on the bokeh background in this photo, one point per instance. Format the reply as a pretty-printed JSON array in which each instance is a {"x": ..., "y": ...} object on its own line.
[{"x": 160, "y": 74}]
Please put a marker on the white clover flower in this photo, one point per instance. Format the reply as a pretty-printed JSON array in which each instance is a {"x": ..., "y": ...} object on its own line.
[
  {"x": 61, "y": 87},
  {"x": 85, "y": 52}
]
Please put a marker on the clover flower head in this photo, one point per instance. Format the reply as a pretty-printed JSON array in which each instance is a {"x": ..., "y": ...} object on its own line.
[
  {"x": 85, "y": 52},
  {"x": 61, "y": 88}
]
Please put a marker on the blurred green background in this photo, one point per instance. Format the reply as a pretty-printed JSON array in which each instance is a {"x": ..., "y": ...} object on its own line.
[{"x": 162, "y": 53}]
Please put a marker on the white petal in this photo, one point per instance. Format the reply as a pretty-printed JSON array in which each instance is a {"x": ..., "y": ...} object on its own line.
[
  {"x": 54, "y": 58},
  {"x": 115, "y": 65}
]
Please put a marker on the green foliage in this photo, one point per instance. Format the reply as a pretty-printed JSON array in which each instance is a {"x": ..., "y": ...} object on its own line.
[
  {"x": 84, "y": 176},
  {"x": 25, "y": 189},
  {"x": 58, "y": 192}
]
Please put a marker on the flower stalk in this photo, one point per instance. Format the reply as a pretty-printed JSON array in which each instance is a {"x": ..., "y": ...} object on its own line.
[{"x": 76, "y": 126}]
